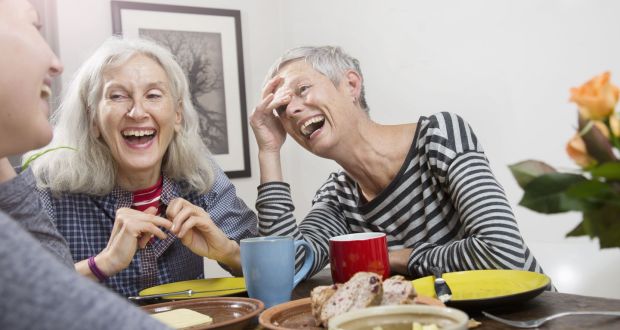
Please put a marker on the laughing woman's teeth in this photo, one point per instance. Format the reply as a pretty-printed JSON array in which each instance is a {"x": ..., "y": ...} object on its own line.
[
  {"x": 46, "y": 91},
  {"x": 307, "y": 128}
]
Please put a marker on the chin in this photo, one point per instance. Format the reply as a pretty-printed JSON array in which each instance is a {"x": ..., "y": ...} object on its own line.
[{"x": 35, "y": 141}]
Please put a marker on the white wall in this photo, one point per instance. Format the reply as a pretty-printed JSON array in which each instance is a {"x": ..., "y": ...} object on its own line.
[{"x": 505, "y": 66}]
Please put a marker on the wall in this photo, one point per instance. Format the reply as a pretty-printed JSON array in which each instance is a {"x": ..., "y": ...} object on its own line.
[{"x": 505, "y": 66}]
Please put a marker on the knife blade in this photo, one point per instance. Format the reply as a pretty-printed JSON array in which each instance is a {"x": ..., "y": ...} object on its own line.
[
  {"x": 188, "y": 293},
  {"x": 442, "y": 290}
]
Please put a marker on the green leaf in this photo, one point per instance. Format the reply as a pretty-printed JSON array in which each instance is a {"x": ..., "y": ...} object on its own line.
[
  {"x": 591, "y": 191},
  {"x": 577, "y": 231},
  {"x": 41, "y": 153},
  {"x": 527, "y": 170},
  {"x": 547, "y": 193},
  {"x": 603, "y": 223},
  {"x": 608, "y": 170}
]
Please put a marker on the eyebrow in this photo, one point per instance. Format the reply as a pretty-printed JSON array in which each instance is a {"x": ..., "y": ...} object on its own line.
[{"x": 156, "y": 84}]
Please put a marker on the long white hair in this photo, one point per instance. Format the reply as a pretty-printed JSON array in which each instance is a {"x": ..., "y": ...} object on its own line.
[{"x": 90, "y": 168}]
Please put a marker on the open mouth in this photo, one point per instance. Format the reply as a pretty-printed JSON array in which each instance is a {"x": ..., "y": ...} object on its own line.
[
  {"x": 46, "y": 92},
  {"x": 312, "y": 125},
  {"x": 139, "y": 136}
]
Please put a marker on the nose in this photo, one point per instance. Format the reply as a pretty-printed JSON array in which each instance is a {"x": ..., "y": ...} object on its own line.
[
  {"x": 56, "y": 66},
  {"x": 136, "y": 111},
  {"x": 295, "y": 106}
]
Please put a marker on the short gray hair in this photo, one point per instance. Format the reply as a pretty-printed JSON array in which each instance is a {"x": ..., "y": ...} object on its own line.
[
  {"x": 90, "y": 168},
  {"x": 330, "y": 61}
]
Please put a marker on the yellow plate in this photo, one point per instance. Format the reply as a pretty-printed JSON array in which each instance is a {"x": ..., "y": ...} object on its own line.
[
  {"x": 206, "y": 287},
  {"x": 482, "y": 288}
]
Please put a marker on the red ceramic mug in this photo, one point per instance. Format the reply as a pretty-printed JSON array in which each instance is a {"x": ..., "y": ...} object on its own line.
[{"x": 361, "y": 252}]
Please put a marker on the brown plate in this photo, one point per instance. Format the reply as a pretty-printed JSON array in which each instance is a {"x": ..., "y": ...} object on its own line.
[
  {"x": 296, "y": 314},
  {"x": 227, "y": 313}
]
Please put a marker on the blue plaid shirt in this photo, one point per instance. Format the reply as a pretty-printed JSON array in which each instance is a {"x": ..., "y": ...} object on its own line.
[{"x": 86, "y": 222}]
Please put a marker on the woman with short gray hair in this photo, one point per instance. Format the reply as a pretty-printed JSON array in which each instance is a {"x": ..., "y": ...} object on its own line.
[
  {"x": 139, "y": 198},
  {"x": 427, "y": 185}
]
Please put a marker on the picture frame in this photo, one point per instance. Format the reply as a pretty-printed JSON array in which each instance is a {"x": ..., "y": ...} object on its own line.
[{"x": 207, "y": 44}]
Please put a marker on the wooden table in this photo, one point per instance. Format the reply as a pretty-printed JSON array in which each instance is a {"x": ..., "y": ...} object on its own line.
[{"x": 545, "y": 304}]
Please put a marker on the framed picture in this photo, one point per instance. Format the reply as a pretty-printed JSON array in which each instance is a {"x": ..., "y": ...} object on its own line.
[{"x": 207, "y": 45}]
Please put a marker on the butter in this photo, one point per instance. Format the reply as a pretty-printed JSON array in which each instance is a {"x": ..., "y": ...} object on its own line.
[{"x": 182, "y": 318}]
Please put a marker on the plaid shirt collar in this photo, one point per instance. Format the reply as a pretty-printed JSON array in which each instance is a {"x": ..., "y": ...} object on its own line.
[{"x": 123, "y": 198}]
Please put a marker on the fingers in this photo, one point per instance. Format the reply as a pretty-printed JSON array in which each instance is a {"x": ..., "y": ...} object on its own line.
[
  {"x": 185, "y": 213},
  {"x": 175, "y": 206},
  {"x": 202, "y": 223},
  {"x": 144, "y": 240},
  {"x": 178, "y": 211},
  {"x": 140, "y": 224},
  {"x": 151, "y": 210},
  {"x": 280, "y": 101},
  {"x": 187, "y": 216},
  {"x": 273, "y": 97},
  {"x": 271, "y": 86},
  {"x": 187, "y": 225}
]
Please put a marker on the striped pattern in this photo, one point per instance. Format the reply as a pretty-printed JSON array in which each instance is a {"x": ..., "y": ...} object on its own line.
[{"x": 444, "y": 203}]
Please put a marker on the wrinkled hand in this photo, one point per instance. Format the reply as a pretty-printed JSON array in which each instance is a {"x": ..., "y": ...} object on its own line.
[
  {"x": 193, "y": 225},
  {"x": 399, "y": 260},
  {"x": 132, "y": 230},
  {"x": 268, "y": 130}
]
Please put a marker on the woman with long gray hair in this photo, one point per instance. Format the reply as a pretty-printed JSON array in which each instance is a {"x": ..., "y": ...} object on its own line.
[{"x": 139, "y": 199}]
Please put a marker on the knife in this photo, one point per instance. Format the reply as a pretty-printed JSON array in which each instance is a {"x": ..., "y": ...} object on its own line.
[
  {"x": 442, "y": 290},
  {"x": 188, "y": 293}
]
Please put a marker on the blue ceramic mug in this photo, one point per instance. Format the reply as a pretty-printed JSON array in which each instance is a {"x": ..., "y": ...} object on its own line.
[{"x": 269, "y": 267}]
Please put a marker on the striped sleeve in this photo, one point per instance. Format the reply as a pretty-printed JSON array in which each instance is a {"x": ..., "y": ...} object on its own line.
[
  {"x": 490, "y": 237},
  {"x": 275, "y": 217}
]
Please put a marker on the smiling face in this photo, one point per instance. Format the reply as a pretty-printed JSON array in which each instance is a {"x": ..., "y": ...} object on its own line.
[
  {"x": 137, "y": 118},
  {"x": 319, "y": 114},
  {"x": 27, "y": 65}
]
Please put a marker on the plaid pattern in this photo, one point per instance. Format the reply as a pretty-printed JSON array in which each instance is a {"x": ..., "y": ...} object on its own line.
[{"x": 86, "y": 222}]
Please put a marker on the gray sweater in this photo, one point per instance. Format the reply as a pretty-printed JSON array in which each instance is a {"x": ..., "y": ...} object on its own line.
[{"x": 39, "y": 288}]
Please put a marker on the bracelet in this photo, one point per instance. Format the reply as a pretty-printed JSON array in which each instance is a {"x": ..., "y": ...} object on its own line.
[{"x": 95, "y": 270}]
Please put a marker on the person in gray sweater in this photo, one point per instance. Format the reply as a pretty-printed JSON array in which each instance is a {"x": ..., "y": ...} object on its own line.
[{"x": 39, "y": 288}]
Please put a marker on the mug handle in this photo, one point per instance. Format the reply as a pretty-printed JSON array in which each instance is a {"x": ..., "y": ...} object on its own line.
[{"x": 308, "y": 261}]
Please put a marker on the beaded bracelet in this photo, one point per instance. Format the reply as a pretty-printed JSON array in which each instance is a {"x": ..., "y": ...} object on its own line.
[{"x": 95, "y": 270}]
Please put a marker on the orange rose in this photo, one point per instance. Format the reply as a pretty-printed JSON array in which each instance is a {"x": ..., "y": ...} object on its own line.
[
  {"x": 596, "y": 98},
  {"x": 614, "y": 123},
  {"x": 576, "y": 150}
]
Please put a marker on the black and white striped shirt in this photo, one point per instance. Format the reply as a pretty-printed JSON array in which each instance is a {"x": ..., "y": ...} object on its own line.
[{"x": 444, "y": 203}]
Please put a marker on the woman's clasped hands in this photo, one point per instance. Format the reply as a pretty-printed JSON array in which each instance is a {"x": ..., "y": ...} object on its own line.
[{"x": 134, "y": 230}]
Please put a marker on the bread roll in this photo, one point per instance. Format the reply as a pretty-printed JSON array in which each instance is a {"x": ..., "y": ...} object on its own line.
[
  {"x": 362, "y": 290},
  {"x": 397, "y": 291}
]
